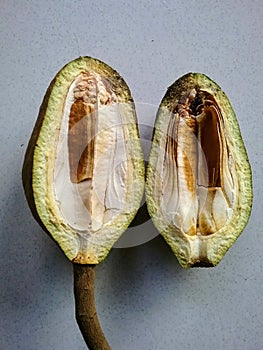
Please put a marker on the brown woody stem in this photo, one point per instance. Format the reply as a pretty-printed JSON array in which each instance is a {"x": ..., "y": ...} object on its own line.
[{"x": 86, "y": 313}]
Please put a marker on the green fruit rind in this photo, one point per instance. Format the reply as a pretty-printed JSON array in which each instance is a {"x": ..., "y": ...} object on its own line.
[
  {"x": 38, "y": 166},
  {"x": 214, "y": 246}
]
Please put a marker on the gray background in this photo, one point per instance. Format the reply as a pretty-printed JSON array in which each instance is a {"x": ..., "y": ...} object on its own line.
[{"x": 144, "y": 299}]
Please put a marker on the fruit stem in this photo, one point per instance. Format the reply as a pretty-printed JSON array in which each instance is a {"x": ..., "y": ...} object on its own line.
[{"x": 86, "y": 314}]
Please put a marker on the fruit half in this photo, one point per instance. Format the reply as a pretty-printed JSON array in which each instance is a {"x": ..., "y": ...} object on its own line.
[
  {"x": 83, "y": 171},
  {"x": 199, "y": 185}
]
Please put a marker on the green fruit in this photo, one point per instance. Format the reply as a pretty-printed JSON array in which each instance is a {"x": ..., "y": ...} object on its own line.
[
  {"x": 83, "y": 171},
  {"x": 199, "y": 184}
]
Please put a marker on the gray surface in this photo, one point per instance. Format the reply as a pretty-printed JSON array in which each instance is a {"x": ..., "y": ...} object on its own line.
[{"x": 145, "y": 300}]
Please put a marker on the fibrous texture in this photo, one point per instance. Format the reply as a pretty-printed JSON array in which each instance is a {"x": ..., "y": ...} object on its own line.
[
  {"x": 84, "y": 170},
  {"x": 199, "y": 188}
]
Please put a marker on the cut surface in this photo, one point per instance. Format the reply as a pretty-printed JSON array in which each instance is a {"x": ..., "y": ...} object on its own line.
[
  {"x": 198, "y": 178},
  {"x": 90, "y": 175},
  {"x": 87, "y": 169},
  {"x": 200, "y": 181}
]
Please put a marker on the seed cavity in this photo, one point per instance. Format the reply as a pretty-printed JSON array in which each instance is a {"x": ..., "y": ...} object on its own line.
[
  {"x": 198, "y": 177},
  {"x": 91, "y": 160}
]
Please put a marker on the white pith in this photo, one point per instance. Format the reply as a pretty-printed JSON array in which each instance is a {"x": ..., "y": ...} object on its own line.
[
  {"x": 90, "y": 204},
  {"x": 182, "y": 195}
]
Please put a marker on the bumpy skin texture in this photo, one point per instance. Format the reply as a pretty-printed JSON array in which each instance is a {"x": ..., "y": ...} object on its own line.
[
  {"x": 200, "y": 250},
  {"x": 38, "y": 165}
]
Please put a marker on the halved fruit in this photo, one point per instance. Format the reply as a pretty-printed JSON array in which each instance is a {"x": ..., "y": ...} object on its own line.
[
  {"x": 83, "y": 171},
  {"x": 199, "y": 184}
]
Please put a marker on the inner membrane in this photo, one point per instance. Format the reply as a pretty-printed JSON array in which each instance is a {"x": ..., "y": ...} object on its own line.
[
  {"x": 199, "y": 176},
  {"x": 91, "y": 162}
]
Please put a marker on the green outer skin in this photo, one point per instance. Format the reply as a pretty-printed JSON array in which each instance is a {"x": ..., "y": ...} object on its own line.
[
  {"x": 216, "y": 245},
  {"x": 38, "y": 165}
]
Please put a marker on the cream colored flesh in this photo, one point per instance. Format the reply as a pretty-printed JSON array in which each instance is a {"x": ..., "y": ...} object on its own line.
[
  {"x": 198, "y": 186},
  {"x": 99, "y": 196},
  {"x": 188, "y": 200},
  {"x": 83, "y": 172}
]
